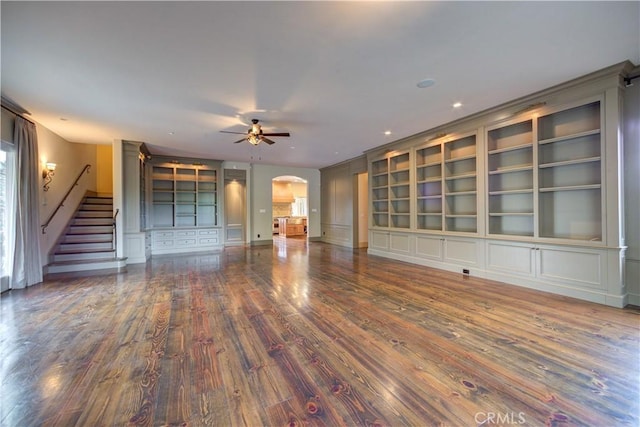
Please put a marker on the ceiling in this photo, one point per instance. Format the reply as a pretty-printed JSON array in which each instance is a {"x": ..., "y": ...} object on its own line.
[{"x": 337, "y": 75}]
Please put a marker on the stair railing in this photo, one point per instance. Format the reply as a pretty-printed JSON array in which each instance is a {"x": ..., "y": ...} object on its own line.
[
  {"x": 61, "y": 204},
  {"x": 115, "y": 234}
]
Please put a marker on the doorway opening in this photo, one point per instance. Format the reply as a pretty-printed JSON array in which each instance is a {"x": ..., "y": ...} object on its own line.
[
  {"x": 290, "y": 207},
  {"x": 361, "y": 212}
]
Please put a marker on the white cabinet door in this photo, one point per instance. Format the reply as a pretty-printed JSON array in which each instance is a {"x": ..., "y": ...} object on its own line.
[
  {"x": 581, "y": 267},
  {"x": 450, "y": 250},
  {"x": 429, "y": 247},
  {"x": 461, "y": 251},
  {"x": 379, "y": 240},
  {"x": 511, "y": 258},
  {"x": 399, "y": 243},
  {"x": 184, "y": 240}
]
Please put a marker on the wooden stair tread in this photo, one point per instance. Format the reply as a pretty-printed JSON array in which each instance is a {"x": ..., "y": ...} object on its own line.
[
  {"x": 87, "y": 261},
  {"x": 81, "y": 242},
  {"x": 81, "y": 233},
  {"x": 81, "y": 251}
]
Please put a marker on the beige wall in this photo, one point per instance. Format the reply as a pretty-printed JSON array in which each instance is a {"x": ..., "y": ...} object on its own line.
[
  {"x": 104, "y": 169},
  {"x": 70, "y": 158},
  {"x": 363, "y": 210}
]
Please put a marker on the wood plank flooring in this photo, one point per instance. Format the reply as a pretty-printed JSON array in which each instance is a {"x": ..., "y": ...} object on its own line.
[{"x": 310, "y": 334}]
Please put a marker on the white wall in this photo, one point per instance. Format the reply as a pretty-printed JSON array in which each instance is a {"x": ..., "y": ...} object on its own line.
[
  {"x": 632, "y": 190},
  {"x": 260, "y": 213}
]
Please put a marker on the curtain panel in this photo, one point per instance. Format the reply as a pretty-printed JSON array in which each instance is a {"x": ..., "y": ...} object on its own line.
[{"x": 27, "y": 265}]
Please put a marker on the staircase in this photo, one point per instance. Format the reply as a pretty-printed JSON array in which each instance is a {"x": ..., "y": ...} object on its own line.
[{"x": 88, "y": 243}]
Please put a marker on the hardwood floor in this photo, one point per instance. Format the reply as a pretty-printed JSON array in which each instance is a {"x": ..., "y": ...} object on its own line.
[{"x": 310, "y": 334}]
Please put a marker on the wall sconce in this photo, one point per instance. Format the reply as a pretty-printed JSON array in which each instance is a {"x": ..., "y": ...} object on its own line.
[{"x": 47, "y": 175}]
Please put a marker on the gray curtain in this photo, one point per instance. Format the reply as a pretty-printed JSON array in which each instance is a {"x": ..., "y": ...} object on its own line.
[{"x": 27, "y": 266}]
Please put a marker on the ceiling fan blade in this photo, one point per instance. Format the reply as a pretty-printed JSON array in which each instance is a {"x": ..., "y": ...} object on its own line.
[
  {"x": 239, "y": 133},
  {"x": 240, "y": 140},
  {"x": 267, "y": 140},
  {"x": 277, "y": 134}
]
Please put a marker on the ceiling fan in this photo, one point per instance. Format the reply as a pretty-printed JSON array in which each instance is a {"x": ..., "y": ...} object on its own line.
[{"x": 255, "y": 135}]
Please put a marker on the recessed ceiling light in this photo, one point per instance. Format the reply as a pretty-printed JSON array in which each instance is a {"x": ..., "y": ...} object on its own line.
[
  {"x": 171, "y": 133},
  {"x": 64, "y": 119},
  {"x": 387, "y": 132},
  {"x": 426, "y": 83},
  {"x": 457, "y": 105}
]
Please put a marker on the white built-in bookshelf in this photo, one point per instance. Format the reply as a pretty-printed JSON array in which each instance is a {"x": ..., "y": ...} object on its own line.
[
  {"x": 570, "y": 173},
  {"x": 460, "y": 188},
  {"x": 529, "y": 193},
  {"x": 510, "y": 179},
  {"x": 399, "y": 191},
  {"x": 543, "y": 179},
  {"x": 184, "y": 205},
  {"x": 446, "y": 185},
  {"x": 380, "y": 192},
  {"x": 184, "y": 197},
  {"x": 429, "y": 197}
]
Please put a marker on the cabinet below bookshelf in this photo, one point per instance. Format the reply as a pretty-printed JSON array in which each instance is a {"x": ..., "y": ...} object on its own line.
[{"x": 184, "y": 240}]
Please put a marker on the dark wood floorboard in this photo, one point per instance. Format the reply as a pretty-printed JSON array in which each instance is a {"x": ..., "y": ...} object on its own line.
[{"x": 309, "y": 334}]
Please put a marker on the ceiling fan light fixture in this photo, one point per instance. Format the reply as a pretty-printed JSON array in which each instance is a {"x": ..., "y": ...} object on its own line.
[
  {"x": 253, "y": 139},
  {"x": 255, "y": 136}
]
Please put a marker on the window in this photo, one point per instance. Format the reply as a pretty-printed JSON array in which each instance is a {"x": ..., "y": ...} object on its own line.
[
  {"x": 7, "y": 209},
  {"x": 299, "y": 207}
]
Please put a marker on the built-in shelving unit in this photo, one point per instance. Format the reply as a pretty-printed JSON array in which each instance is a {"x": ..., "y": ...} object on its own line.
[
  {"x": 390, "y": 192},
  {"x": 460, "y": 185},
  {"x": 184, "y": 196},
  {"x": 380, "y": 192},
  {"x": 570, "y": 173},
  {"x": 429, "y": 203},
  {"x": 530, "y": 192},
  {"x": 549, "y": 169},
  {"x": 510, "y": 179},
  {"x": 542, "y": 179},
  {"x": 445, "y": 187},
  {"x": 207, "y": 198},
  {"x": 184, "y": 206},
  {"x": 399, "y": 191}
]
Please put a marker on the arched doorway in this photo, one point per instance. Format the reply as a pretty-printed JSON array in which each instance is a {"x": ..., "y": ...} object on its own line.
[{"x": 290, "y": 204}]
